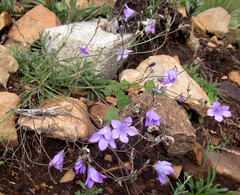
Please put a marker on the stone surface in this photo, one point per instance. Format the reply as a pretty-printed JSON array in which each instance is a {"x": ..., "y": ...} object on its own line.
[
  {"x": 86, "y": 3},
  {"x": 70, "y": 122},
  {"x": 27, "y": 29},
  {"x": 210, "y": 44},
  {"x": 98, "y": 112},
  {"x": 177, "y": 171},
  {"x": 68, "y": 176},
  {"x": 99, "y": 42},
  {"x": 226, "y": 164},
  {"x": 234, "y": 76},
  {"x": 8, "y": 64},
  {"x": 5, "y": 20},
  {"x": 230, "y": 89},
  {"x": 198, "y": 153},
  {"x": 198, "y": 100},
  {"x": 174, "y": 121},
  {"x": 8, "y": 132},
  {"x": 215, "y": 20}
]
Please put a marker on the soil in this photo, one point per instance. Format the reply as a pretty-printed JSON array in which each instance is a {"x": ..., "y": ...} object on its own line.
[{"x": 26, "y": 169}]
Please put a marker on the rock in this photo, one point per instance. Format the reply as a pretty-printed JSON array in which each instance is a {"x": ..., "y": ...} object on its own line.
[
  {"x": 234, "y": 76},
  {"x": 8, "y": 101},
  {"x": 198, "y": 153},
  {"x": 98, "y": 111},
  {"x": 230, "y": 89},
  {"x": 70, "y": 122},
  {"x": 27, "y": 29},
  {"x": 68, "y": 176},
  {"x": 174, "y": 121},
  {"x": 108, "y": 157},
  {"x": 182, "y": 10},
  {"x": 111, "y": 100},
  {"x": 198, "y": 100},
  {"x": 8, "y": 64},
  {"x": 177, "y": 171},
  {"x": 87, "y": 3},
  {"x": 5, "y": 20},
  {"x": 100, "y": 42},
  {"x": 210, "y": 44},
  {"x": 4, "y": 76},
  {"x": 215, "y": 20},
  {"x": 226, "y": 163}
]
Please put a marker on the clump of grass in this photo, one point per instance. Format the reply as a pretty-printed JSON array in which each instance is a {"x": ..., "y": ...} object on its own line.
[
  {"x": 47, "y": 76},
  {"x": 200, "y": 186},
  {"x": 211, "y": 89}
]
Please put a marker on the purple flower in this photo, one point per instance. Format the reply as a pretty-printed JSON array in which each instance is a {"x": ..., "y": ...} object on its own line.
[
  {"x": 163, "y": 168},
  {"x": 93, "y": 176},
  {"x": 121, "y": 29},
  {"x": 169, "y": 76},
  {"x": 128, "y": 12},
  {"x": 150, "y": 23},
  {"x": 152, "y": 118},
  {"x": 103, "y": 137},
  {"x": 123, "y": 54},
  {"x": 151, "y": 65},
  {"x": 84, "y": 50},
  {"x": 219, "y": 111},
  {"x": 123, "y": 129},
  {"x": 181, "y": 98},
  {"x": 79, "y": 166},
  {"x": 57, "y": 161}
]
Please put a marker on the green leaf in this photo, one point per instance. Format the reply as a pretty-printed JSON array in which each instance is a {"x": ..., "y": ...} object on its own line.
[
  {"x": 149, "y": 85},
  {"x": 111, "y": 114},
  {"x": 200, "y": 119},
  {"x": 1, "y": 162}
]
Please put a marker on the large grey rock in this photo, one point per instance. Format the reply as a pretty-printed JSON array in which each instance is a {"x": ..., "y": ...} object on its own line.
[
  {"x": 195, "y": 97},
  {"x": 8, "y": 132},
  {"x": 174, "y": 121},
  {"x": 102, "y": 44}
]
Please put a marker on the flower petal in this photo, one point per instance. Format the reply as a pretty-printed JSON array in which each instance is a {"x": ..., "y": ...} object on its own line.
[
  {"x": 162, "y": 178},
  {"x": 218, "y": 117},
  {"x": 116, "y": 123},
  {"x": 132, "y": 131},
  {"x": 102, "y": 144},
  {"x": 95, "y": 137},
  {"x": 210, "y": 112}
]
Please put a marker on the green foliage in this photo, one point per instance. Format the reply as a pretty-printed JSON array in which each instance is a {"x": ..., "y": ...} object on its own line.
[
  {"x": 43, "y": 72},
  {"x": 1, "y": 162},
  {"x": 229, "y": 5},
  {"x": 111, "y": 114},
  {"x": 7, "y": 5},
  {"x": 200, "y": 186},
  {"x": 210, "y": 88},
  {"x": 120, "y": 90},
  {"x": 88, "y": 191},
  {"x": 192, "y": 6},
  {"x": 149, "y": 86},
  {"x": 72, "y": 13}
]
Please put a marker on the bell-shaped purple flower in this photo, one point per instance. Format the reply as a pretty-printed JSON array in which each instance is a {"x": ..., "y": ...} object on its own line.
[
  {"x": 169, "y": 76},
  {"x": 84, "y": 50},
  {"x": 219, "y": 111},
  {"x": 152, "y": 118},
  {"x": 104, "y": 138},
  {"x": 163, "y": 168},
  {"x": 57, "y": 161},
  {"x": 79, "y": 166},
  {"x": 128, "y": 12},
  {"x": 150, "y": 25},
  {"x": 94, "y": 176},
  {"x": 123, "y": 54},
  {"x": 121, "y": 130}
]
